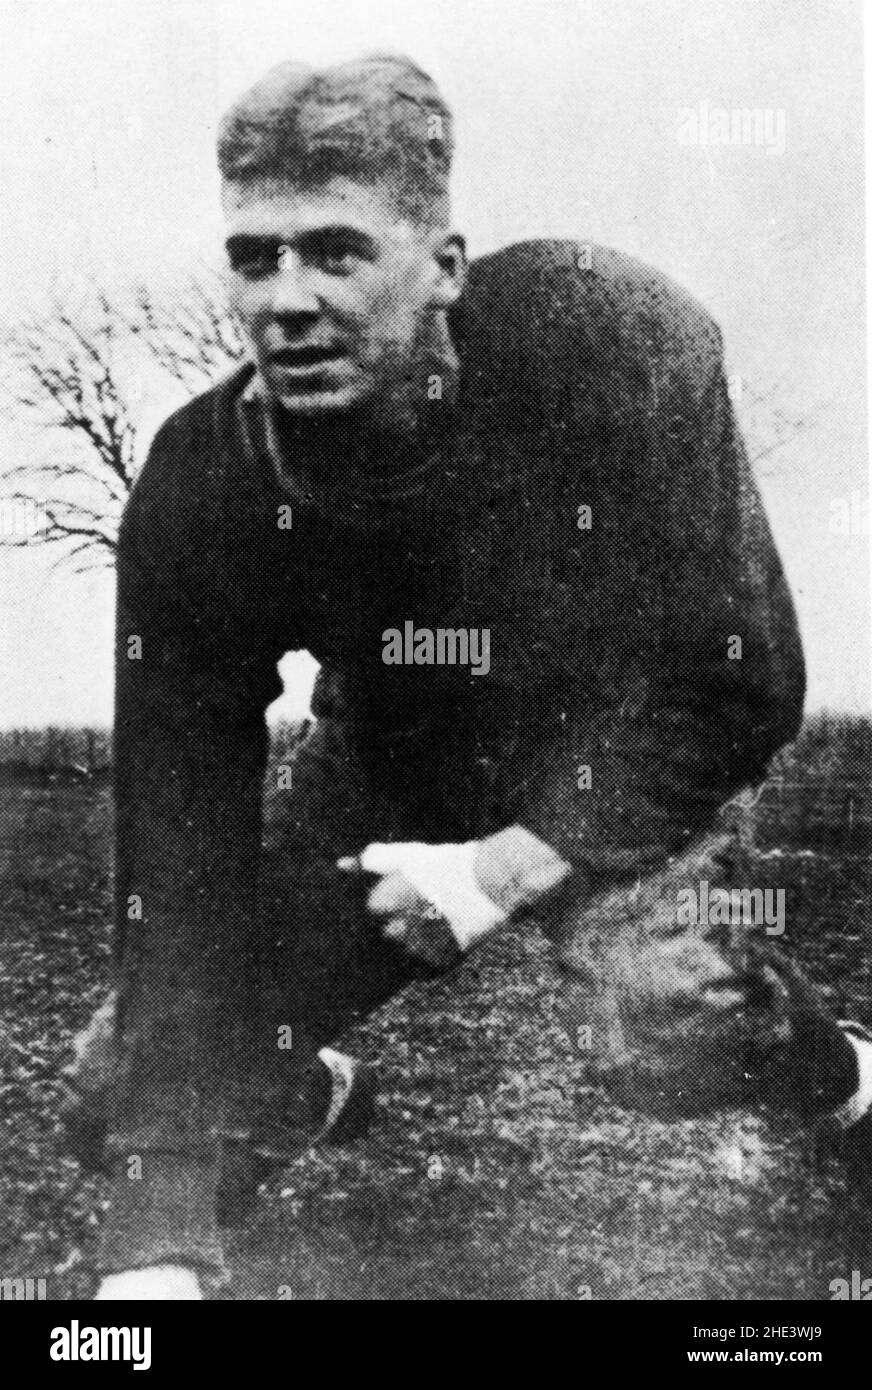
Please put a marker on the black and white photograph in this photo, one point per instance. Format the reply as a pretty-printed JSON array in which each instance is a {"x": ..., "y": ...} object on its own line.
[{"x": 435, "y": 705}]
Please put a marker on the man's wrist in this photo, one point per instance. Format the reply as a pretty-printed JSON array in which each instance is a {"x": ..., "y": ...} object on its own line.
[
  {"x": 516, "y": 870},
  {"x": 474, "y": 885}
]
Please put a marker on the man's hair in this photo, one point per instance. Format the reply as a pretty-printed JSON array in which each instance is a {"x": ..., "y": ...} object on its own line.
[{"x": 379, "y": 120}]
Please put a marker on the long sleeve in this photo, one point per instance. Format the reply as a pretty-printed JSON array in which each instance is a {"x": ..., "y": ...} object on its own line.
[
  {"x": 700, "y": 678},
  {"x": 190, "y": 752}
]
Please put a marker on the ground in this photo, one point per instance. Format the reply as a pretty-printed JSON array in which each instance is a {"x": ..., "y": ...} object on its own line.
[{"x": 495, "y": 1171}]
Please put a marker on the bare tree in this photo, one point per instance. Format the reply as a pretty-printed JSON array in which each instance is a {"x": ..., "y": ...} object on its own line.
[
  {"x": 76, "y": 382},
  {"x": 191, "y": 338}
]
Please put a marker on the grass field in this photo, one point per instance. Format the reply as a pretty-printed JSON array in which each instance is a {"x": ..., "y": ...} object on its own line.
[{"x": 495, "y": 1170}]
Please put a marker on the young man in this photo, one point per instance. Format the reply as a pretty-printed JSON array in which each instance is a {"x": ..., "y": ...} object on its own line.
[{"x": 507, "y": 508}]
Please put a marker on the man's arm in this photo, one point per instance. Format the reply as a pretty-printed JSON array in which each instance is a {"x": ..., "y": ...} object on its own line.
[
  {"x": 190, "y": 751},
  {"x": 703, "y": 676},
  {"x": 704, "y": 680},
  {"x": 656, "y": 707},
  {"x": 686, "y": 671}
]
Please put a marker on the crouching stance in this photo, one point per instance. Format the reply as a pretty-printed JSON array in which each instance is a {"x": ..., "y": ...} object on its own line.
[{"x": 538, "y": 447}]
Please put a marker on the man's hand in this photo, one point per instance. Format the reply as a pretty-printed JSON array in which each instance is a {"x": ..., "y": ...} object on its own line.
[
  {"x": 413, "y": 922},
  {"x": 467, "y": 888},
  {"x": 409, "y": 920},
  {"x": 157, "y": 1282},
  {"x": 517, "y": 870}
]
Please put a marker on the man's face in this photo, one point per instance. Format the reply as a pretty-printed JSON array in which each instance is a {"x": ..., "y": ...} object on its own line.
[{"x": 333, "y": 289}]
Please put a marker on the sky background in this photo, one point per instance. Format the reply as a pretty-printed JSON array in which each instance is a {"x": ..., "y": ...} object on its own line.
[{"x": 568, "y": 113}]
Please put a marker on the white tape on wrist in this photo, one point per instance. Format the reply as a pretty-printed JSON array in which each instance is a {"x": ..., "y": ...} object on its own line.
[{"x": 445, "y": 876}]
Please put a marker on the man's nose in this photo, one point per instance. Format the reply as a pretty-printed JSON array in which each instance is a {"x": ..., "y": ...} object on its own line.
[{"x": 293, "y": 293}]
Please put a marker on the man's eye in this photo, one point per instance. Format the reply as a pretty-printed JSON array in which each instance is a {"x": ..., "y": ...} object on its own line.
[
  {"x": 338, "y": 260},
  {"x": 254, "y": 266}
]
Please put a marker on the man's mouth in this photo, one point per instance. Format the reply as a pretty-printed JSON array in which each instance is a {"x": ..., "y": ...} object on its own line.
[{"x": 305, "y": 358}]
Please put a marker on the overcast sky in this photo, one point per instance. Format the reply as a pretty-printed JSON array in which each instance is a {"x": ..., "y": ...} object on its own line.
[{"x": 568, "y": 116}]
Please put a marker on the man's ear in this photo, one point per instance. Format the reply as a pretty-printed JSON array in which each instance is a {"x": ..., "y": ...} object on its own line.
[{"x": 449, "y": 255}]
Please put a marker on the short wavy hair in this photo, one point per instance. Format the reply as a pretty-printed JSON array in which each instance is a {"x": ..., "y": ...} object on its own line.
[{"x": 379, "y": 120}]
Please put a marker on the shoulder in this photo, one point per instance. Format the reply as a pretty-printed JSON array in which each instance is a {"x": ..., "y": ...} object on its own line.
[
  {"x": 183, "y": 465},
  {"x": 203, "y": 419},
  {"x": 579, "y": 306}
]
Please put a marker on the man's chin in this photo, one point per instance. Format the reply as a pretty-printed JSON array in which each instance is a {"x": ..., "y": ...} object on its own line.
[{"x": 319, "y": 402}]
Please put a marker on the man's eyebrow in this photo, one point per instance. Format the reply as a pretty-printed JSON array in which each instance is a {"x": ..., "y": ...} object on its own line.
[
  {"x": 244, "y": 243},
  {"x": 337, "y": 231}
]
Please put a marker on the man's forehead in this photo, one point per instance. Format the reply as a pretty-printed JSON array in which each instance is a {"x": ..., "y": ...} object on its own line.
[{"x": 282, "y": 208}]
